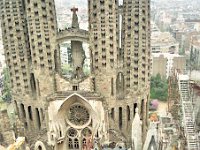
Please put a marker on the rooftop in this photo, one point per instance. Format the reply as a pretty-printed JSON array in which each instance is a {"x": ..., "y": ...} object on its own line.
[{"x": 162, "y": 38}]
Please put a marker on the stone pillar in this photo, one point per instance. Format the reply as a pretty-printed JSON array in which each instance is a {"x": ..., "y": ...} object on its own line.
[
  {"x": 46, "y": 117},
  {"x": 107, "y": 125},
  {"x": 36, "y": 119},
  {"x": 80, "y": 142},
  {"x": 147, "y": 110},
  {"x": 117, "y": 117},
  {"x": 66, "y": 143},
  {"x": 16, "y": 107},
  {"x": 131, "y": 112},
  {"x": 41, "y": 117},
  {"x": 122, "y": 118}
]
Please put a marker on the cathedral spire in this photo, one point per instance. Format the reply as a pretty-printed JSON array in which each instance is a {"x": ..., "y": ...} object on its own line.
[
  {"x": 136, "y": 134},
  {"x": 75, "y": 23}
]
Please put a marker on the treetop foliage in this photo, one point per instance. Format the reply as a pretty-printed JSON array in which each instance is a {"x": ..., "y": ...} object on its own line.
[{"x": 159, "y": 88}]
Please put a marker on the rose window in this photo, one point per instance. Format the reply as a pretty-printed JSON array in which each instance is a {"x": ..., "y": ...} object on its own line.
[
  {"x": 78, "y": 115},
  {"x": 72, "y": 132}
]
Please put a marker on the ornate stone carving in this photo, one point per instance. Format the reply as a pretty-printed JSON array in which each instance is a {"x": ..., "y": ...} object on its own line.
[
  {"x": 78, "y": 115},
  {"x": 72, "y": 132}
]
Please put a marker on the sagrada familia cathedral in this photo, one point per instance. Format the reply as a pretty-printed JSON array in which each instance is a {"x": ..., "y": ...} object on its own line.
[{"x": 60, "y": 113}]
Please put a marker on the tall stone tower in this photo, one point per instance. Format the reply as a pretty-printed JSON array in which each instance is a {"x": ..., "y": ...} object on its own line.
[
  {"x": 136, "y": 48},
  {"x": 17, "y": 51},
  {"x": 101, "y": 105},
  {"x": 103, "y": 36},
  {"x": 29, "y": 31},
  {"x": 120, "y": 50}
]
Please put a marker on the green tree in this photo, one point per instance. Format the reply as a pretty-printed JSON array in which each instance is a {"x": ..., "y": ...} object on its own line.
[
  {"x": 159, "y": 88},
  {"x": 86, "y": 70},
  {"x": 6, "y": 92}
]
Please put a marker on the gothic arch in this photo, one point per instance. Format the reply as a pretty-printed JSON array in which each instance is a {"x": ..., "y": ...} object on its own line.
[
  {"x": 76, "y": 100},
  {"x": 39, "y": 146},
  {"x": 22, "y": 109}
]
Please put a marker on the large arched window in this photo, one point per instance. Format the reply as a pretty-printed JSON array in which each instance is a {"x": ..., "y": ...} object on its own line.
[
  {"x": 23, "y": 111},
  {"x": 120, "y": 117},
  {"x": 33, "y": 83},
  {"x": 112, "y": 90},
  {"x": 142, "y": 109},
  {"x": 73, "y": 142},
  {"x": 128, "y": 114},
  {"x": 30, "y": 113},
  {"x": 38, "y": 118}
]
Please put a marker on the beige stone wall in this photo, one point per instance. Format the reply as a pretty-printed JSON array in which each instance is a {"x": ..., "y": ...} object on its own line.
[
  {"x": 159, "y": 66},
  {"x": 67, "y": 85},
  {"x": 62, "y": 84},
  {"x": 86, "y": 85}
]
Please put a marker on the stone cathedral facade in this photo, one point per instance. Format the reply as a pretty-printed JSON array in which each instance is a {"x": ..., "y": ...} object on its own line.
[{"x": 61, "y": 112}]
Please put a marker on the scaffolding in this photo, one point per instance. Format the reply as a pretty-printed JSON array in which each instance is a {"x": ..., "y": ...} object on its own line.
[{"x": 188, "y": 118}]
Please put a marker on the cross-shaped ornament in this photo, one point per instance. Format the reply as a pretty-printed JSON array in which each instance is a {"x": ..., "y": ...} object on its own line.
[{"x": 74, "y": 9}]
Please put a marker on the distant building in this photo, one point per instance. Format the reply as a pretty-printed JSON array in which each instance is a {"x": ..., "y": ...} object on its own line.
[
  {"x": 182, "y": 32},
  {"x": 65, "y": 50},
  {"x": 195, "y": 52},
  {"x": 163, "y": 42},
  {"x": 163, "y": 63},
  {"x": 159, "y": 66},
  {"x": 186, "y": 40},
  {"x": 154, "y": 27}
]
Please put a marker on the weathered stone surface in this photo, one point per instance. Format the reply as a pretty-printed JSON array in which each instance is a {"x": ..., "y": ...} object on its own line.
[{"x": 69, "y": 113}]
